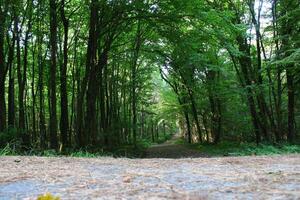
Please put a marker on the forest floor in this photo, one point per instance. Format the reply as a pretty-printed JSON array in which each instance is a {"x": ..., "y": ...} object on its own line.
[{"x": 253, "y": 177}]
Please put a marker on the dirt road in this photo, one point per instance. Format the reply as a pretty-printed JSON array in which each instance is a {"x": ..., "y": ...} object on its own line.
[
  {"x": 275, "y": 177},
  {"x": 170, "y": 149}
]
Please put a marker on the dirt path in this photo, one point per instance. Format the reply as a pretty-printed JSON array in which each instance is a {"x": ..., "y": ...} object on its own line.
[
  {"x": 170, "y": 149},
  {"x": 275, "y": 177}
]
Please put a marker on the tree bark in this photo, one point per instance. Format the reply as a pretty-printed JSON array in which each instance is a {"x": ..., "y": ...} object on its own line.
[
  {"x": 22, "y": 74},
  {"x": 136, "y": 51},
  {"x": 10, "y": 65},
  {"x": 245, "y": 64},
  {"x": 64, "y": 119},
  {"x": 42, "y": 121},
  {"x": 2, "y": 67},
  {"x": 52, "y": 89},
  {"x": 291, "y": 104},
  {"x": 91, "y": 75},
  {"x": 286, "y": 33}
]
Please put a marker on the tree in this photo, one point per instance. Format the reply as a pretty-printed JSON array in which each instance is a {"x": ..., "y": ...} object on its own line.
[
  {"x": 52, "y": 83},
  {"x": 3, "y": 70},
  {"x": 115, "y": 73},
  {"x": 64, "y": 119}
]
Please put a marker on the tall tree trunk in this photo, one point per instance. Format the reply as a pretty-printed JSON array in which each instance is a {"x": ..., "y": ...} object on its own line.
[
  {"x": 195, "y": 114},
  {"x": 278, "y": 93},
  {"x": 42, "y": 121},
  {"x": 190, "y": 94},
  {"x": 245, "y": 74},
  {"x": 291, "y": 103},
  {"x": 2, "y": 66},
  {"x": 287, "y": 28},
  {"x": 10, "y": 65},
  {"x": 52, "y": 89},
  {"x": 64, "y": 120},
  {"x": 75, "y": 84},
  {"x": 215, "y": 105},
  {"x": 33, "y": 96},
  {"x": 11, "y": 97},
  {"x": 91, "y": 75},
  {"x": 188, "y": 126},
  {"x": 136, "y": 51},
  {"x": 245, "y": 64},
  {"x": 264, "y": 110},
  {"x": 22, "y": 77}
]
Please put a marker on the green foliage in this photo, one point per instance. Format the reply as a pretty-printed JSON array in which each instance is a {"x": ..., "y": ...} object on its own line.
[
  {"x": 164, "y": 138},
  {"x": 10, "y": 135},
  {"x": 246, "y": 149},
  {"x": 49, "y": 153},
  {"x": 134, "y": 67},
  {"x": 86, "y": 154},
  {"x": 8, "y": 150},
  {"x": 144, "y": 143}
]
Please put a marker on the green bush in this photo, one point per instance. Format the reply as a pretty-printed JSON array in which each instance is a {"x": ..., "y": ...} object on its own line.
[
  {"x": 144, "y": 143},
  {"x": 86, "y": 154},
  {"x": 50, "y": 153},
  {"x": 164, "y": 138},
  {"x": 246, "y": 149},
  {"x": 8, "y": 150},
  {"x": 10, "y": 135}
]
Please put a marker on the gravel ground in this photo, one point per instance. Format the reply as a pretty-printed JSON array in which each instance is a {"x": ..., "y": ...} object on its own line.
[{"x": 275, "y": 177}]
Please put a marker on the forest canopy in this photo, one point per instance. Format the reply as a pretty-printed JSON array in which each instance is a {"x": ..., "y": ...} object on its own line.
[{"x": 106, "y": 73}]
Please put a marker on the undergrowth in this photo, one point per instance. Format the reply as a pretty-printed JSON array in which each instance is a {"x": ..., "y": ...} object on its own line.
[
  {"x": 126, "y": 150},
  {"x": 225, "y": 148},
  {"x": 246, "y": 149}
]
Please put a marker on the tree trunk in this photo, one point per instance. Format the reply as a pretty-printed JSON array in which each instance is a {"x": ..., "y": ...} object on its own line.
[
  {"x": 287, "y": 28},
  {"x": 90, "y": 118},
  {"x": 195, "y": 114},
  {"x": 42, "y": 121},
  {"x": 2, "y": 67},
  {"x": 278, "y": 93},
  {"x": 291, "y": 104},
  {"x": 136, "y": 51},
  {"x": 188, "y": 126},
  {"x": 22, "y": 78},
  {"x": 64, "y": 120},
  {"x": 52, "y": 89},
  {"x": 10, "y": 65},
  {"x": 33, "y": 95},
  {"x": 11, "y": 97}
]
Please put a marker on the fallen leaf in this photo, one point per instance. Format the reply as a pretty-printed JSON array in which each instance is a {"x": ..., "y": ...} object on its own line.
[{"x": 127, "y": 179}]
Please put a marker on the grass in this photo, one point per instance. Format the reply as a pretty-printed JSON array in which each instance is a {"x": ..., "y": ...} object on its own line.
[
  {"x": 123, "y": 151},
  {"x": 129, "y": 151},
  {"x": 246, "y": 149},
  {"x": 8, "y": 150},
  {"x": 11, "y": 145}
]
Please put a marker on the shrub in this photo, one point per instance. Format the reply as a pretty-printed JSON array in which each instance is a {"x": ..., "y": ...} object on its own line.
[{"x": 10, "y": 135}]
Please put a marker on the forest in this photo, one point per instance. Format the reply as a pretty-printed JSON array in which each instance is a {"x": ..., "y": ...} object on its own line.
[{"x": 101, "y": 74}]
